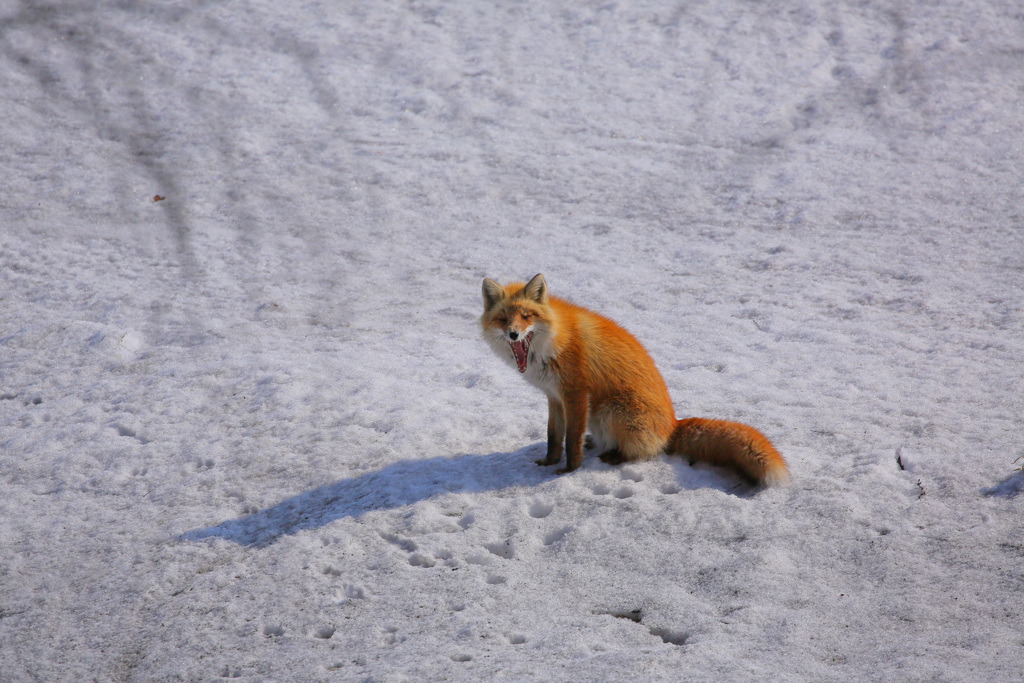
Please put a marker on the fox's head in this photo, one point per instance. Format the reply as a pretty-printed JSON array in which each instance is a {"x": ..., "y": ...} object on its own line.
[{"x": 516, "y": 317}]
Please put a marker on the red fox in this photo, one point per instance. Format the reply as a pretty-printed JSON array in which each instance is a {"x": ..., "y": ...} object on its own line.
[{"x": 597, "y": 375}]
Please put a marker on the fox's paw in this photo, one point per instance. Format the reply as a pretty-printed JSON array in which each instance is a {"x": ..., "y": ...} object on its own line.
[
  {"x": 612, "y": 457},
  {"x": 553, "y": 457}
]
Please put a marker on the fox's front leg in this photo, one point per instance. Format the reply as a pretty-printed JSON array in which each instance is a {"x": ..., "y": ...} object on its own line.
[
  {"x": 575, "y": 427},
  {"x": 556, "y": 432}
]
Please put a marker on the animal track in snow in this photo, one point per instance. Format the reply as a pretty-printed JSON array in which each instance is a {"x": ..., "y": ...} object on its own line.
[
  {"x": 422, "y": 560},
  {"x": 555, "y": 535},
  {"x": 624, "y": 492},
  {"x": 540, "y": 509},
  {"x": 324, "y": 632},
  {"x": 131, "y": 433},
  {"x": 670, "y": 489},
  {"x": 406, "y": 544},
  {"x": 351, "y": 593},
  {"x": 632, "y": 474},
  {"x": 601, "y": 489},
  {"x": 636, "y": 616},
  {"x": 632, "y": 615},
  {"x": 670, "y": 637},
  {"x": 496, "y": 579},
  {"x": 391, "y": 636},
  {"x": 503, "y": 550},
  {"x": 273, "y": 630},
  {"x": 516, "y": 639}
]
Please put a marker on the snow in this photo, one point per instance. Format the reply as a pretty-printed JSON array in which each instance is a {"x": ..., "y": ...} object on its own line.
[{"x": 249, "y": 428}]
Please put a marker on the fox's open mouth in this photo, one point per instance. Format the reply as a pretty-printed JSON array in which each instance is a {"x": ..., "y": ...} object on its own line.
[{"x": 520, "y": 349}]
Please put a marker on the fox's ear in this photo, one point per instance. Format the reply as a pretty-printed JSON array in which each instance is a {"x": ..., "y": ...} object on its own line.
[
  {"x": 493, "y": 293},
  {"x": 537, "y": 289}
]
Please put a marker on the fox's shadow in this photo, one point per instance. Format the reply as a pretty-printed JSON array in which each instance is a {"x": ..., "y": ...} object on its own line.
[
  {"x": 1011, "y": 487},
  {"x": 399, "y": 484},
  {"x": 412, "y": 481}
]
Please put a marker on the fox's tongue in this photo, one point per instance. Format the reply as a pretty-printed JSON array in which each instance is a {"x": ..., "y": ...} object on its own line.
[{"x": 519, "y": 351}]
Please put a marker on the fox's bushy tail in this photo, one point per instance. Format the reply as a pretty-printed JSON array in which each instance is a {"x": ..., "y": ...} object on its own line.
[{"x": 729, "y": 444}]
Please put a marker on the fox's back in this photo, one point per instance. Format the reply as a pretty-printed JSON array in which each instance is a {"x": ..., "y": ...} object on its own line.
[{"x": 613, "y": 361}]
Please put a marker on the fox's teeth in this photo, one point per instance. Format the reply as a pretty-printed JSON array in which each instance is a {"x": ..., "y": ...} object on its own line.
[{"x": 520, "y": 350}]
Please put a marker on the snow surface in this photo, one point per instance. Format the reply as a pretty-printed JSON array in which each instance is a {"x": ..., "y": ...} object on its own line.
[{"x": 249, "y": 428}]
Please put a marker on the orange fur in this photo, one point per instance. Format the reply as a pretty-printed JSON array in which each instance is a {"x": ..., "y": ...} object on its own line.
[{"x": 597, "y": 375}]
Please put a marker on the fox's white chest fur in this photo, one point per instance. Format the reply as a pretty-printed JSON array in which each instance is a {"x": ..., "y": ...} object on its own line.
[{"x": 539, "y": 371}]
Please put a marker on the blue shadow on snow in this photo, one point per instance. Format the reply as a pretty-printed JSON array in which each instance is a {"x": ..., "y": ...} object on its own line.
[
  {"x": 398, "y": 484},
  {"x": 1011, "y": 487},
  {"x": 411, "y": 481}
]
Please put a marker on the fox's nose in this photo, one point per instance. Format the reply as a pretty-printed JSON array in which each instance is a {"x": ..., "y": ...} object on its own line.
[{"x": 513, "y": 335}]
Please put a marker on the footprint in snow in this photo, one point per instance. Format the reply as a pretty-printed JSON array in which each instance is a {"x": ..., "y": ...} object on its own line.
[
  {"x": 123, "y": 430},
  {"x": 540, "y": 509},
  {"x": 670, "y": 637},
  {"x": 391, "y": 637},
  {"x": 503, "y": 549},
  {"x": 350, "y": 593},
  {"x": 406, "y": 544},
  {"x": 425, "y": 560},
  {"x": 632, "y": 474},
  {"x": 667, "y": 636},
  {"x": 556, "y": 535},
  {"x": 324, "y": 633}
]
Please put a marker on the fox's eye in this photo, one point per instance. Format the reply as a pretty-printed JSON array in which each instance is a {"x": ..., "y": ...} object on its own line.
[{"x": 503, "y": 320}]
